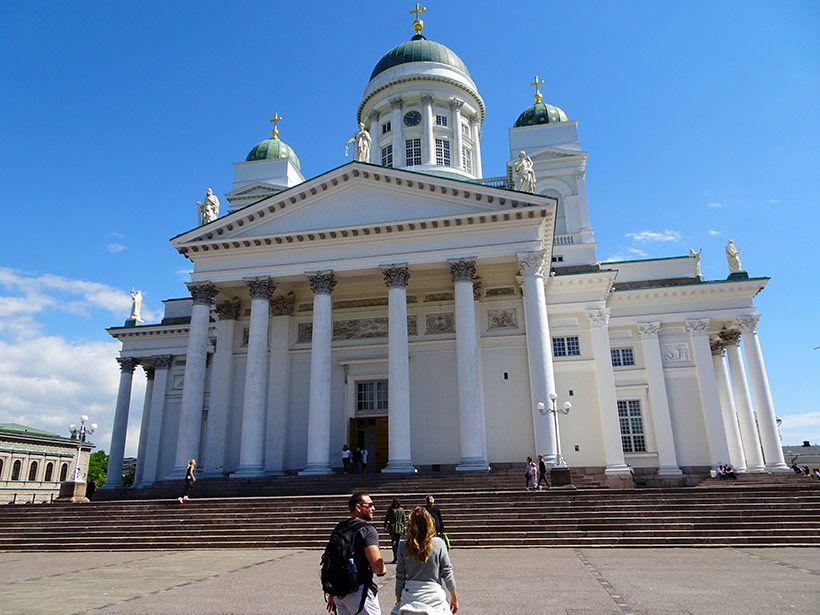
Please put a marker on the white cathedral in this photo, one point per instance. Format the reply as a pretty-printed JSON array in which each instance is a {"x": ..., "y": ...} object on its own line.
[{"x": 408, "y": 303}]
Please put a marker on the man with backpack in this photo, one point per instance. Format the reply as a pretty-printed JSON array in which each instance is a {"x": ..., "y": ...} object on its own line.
[{"x": 350, "y": 560}]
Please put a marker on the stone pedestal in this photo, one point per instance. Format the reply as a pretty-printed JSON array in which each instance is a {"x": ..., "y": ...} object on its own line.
[
  {"x": 72, "y": 491},
  {"x": 134, "y": 322},
  {"x": 560, "y": 477}
]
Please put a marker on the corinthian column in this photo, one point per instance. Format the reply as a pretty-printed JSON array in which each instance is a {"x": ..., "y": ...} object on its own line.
[
  {"x": 766, "y": 419},
  {"x": 193, "y": 388},
  {"x": 162, "y": 364},
  {"x": 727, "y": 404},
  {"x": 429, "y": 144},
  {"x": 658, "y": 399},
  {"x": 398, "y": 371},
  {"x": 539, "y": 351},
  {"x": 146, "y": 413},
  {"x": 472, "y": 427},
  {"x": 605, "y": 380},
  {"x": 278, "y": 380},
  {"x": 251, "y": 449},
  {"x": 395, "y": 123},
  {"x": 120, "y": 427},
  {"x": 318, "y": 454},
  {"x": 743, "y": 402},
  {"x": 455, "y": 121}
]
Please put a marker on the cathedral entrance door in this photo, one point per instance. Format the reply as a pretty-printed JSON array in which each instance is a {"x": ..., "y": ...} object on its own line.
[{"x": 371, "y": 433}]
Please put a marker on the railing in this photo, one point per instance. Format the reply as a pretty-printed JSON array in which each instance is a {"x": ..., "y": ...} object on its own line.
[
  {"x": 563, "y": 240},
  {"x": 495, "y": 182}
]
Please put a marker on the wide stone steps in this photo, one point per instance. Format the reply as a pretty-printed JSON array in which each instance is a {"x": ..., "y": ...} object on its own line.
[{"x": 760, "y": 515}]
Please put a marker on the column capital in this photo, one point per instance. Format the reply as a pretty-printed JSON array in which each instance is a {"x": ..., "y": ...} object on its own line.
[
  {"x": 322, "y": 282},
  {"x": 162, "y": 361},
  {"x": 598, "y": 318},
  {"x": 395, "y": 103},
  {"x": 203, "y": 293},
  {"x": 228, "y": 310},
  {"x": 473, "y": 121},
  {"x": 396, "y": 276},
  {"x": 730, "y": 337},
  {"x": 649, "y": 330},
  {"x": 127, "y": 364},
  {"x": 748, "y": 324},
  {"x": 462, "y": 270},
  {"x": 698, "y": 327},
  {"x": 427, "y": 99},
  {"x": 717, "y": 345},
  {"x": 261, "y": 288},
  {"x": 456, "y": 104},
  {"x": 532, "y": 263},
  {"x": 282, "y": 305}
]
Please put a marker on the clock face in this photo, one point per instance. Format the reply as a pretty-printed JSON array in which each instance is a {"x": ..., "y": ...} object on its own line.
[{"x": 412, "y": 118}]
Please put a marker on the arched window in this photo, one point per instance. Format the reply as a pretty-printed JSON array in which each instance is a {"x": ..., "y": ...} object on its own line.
[
  {"x": 32, "y": 471},
  {"x": 15, "y": 470},
  {"x": 49, "y": 471},
  {"x": 63, "y": 472}
]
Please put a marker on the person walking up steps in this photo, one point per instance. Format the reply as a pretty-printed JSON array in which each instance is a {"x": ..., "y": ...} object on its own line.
[
  {"x": 190, "y": 479},
  {"x": 542, "y": 472},
  {"x": 394, "y": 525}
]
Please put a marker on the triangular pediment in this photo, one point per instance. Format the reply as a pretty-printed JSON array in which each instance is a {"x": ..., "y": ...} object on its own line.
[
  {"x": 254, "y": 189},
  {"x": 557, "y": 154},
  {"x": 355, "y": 195}
]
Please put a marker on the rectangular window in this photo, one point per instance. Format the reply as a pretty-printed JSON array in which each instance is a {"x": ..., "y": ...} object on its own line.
[
  {"x": 441, "y": 120},
  {"x": 387, "y": 156},
  {"x": 442, "y": 152},
  {"x": 467, "y": 159},
  {"x": 386, "y": 127},
  {"x": 371, "y": 396},
  {"x": 629, "y": 418},
  {"x": 566, "y": 346},
  {"x": 412, "y": 152},
  {"x": 622, "y": 357}
]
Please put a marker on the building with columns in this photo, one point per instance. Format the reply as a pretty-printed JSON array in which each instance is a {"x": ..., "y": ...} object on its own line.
[{"x": 408, "y": 303}]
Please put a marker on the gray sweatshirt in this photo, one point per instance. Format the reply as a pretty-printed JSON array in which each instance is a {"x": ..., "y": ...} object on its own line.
[{"x": 437, "y": 568}]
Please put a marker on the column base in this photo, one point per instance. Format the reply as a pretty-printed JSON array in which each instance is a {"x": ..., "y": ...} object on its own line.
[
  {"x": 248, "y": 471},
  {"x": 669, "y": 471},
  {"x": 71, "y": 491},
  {"x": 778, "y": 468},
  {"x": 473, "y": 464},
  {"x": 399, "y": 466},
  {"x": 316, "y": 469},
  {"x": 755, "y": 469}
]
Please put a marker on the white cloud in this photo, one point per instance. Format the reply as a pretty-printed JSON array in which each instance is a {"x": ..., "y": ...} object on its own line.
[
  {"x": 654, "y": 236},
  {"x": 774, "y": 201},
  {"x": 799, "y": 427},
  {"x": 713, "y": 233},
  {"x": 714, "y": 204},
  {"x": 637, "y": 252},
  {"x": 614, "y": 258},
  {"x": 115, "y": 247},
  {"x": 184, "y": 274}
]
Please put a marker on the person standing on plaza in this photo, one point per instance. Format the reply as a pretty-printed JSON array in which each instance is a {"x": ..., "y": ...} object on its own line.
[
  {"x": 353, "y": 552},
  {"x": 345, "y": 459},
  {"x": 394, "y": 525},
  {"x": 423, "y": 565},
  {"x": 363, "y": 454},
  {"x": 542, "y": 472},
  {"x": 356, "y": 459},
  {"x": 190, "y": 479}
]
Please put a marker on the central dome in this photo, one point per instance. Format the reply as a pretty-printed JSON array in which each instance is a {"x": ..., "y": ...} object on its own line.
[
  {"x": 419, "y": 49},
  {"x": 271, "y": 149}
]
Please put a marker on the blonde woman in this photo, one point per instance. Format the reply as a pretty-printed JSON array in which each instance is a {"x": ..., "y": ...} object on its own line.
[
  {"x": 423, "y": 566},
  {"x": 190, "y": 479}
]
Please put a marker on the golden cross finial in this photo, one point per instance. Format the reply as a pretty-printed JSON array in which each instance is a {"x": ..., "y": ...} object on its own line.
[
  {"x": 418, "y": 24},
  {"x": 538, "y": 96},
  {"x": 276, "y": 118}
]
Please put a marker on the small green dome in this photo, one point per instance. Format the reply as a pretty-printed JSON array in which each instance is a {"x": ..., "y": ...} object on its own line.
[
  {"x": 271, "y": 149},
  {"x": 541, "y": 113},
  {"x": 419, "y": 49}
]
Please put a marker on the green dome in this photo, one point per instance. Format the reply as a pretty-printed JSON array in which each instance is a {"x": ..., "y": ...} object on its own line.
[
  {"x": 419, "y": 49},
  {"x": 541, "y": 113},
  {"x": 271, "y": 149}
]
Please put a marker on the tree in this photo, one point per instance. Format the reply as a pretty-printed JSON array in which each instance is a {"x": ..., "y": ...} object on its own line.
[{"x": 97, "y": 466}]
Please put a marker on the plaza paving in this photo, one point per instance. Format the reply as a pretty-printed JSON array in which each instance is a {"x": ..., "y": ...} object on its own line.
[{"x": 491, "y": 581}]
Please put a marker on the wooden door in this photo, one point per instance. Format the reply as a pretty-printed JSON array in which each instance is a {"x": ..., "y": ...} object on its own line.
[{"x": 381, "y": 442}]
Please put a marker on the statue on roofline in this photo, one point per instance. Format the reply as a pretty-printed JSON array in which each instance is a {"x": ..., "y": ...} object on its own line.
[
  {"x": 361, "y": 144},
  {"x": 523, "y": 168},
  {"x": 208, "y": 210},
  {"x": 733, "y": 257},
  {"x": 696, "y": 258},
  {"x": 136, "y": 304}
]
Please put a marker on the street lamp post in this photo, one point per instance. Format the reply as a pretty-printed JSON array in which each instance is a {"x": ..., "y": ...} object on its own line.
[
  {"x": 73, "y": 489},
  {"x": 559, "y": 473}
]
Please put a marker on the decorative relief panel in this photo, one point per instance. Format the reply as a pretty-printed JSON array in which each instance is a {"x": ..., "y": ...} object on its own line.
[
  {"x": 444, "y": 296},
  {"x": 620, "y": 334},
  {"x": 502, "y": 319},
  {"x": 499, "y": 291},
  {"x": 440, "y": 323},
  {"x": 676, "y": 353},
  {"x": 355, "y": 329},
  {"x": 559, "y": 323}
]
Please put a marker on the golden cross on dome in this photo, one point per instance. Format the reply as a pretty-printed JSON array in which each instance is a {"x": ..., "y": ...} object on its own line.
[
  {"x": 418, "y": 24},
  {"x": 536, "y": 83},
  {"x": 276, "y": 118}
]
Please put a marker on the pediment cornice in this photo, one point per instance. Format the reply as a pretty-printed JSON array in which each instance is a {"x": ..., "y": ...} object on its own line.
[{"x": 745, "y": 288}]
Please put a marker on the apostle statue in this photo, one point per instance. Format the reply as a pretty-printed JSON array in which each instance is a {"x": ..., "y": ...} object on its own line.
[
  {"x": 526, "y": 175},
  {"x": 733, "y": 257},
  {"x": 136, "y": 304},
  {"x": 208, "y": 210},
  {"x": 696, "y": 260},
  {"x": 361, "y": 145}
]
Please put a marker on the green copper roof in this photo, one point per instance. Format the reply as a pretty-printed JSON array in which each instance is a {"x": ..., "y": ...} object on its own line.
[
  {"x": 419, "y": 49},
  {"x": 271, "y": 149},
  {"x": 541, "y": 113},
  {"x": 25, "y": 430}
]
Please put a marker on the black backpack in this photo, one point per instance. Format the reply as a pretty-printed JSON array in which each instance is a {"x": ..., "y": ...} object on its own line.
[{"x": 340, "y": 575}]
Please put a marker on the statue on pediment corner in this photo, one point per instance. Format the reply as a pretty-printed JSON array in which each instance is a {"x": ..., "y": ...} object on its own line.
[
  {"x": 361, "y": 144},
  {"x": 525, "y": 173},
  {"x": 208, "y": 209},
  {"x": 733, "y": 257},
  {"x": 695, "y": 256},
  {"x": 136, "y": 304}
]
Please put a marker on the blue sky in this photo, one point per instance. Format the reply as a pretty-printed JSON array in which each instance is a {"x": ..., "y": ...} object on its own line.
[{"x": 700, "y": 119}]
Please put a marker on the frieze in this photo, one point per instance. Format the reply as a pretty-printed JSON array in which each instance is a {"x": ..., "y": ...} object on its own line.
[
  {"x": 502, "y": 319},
  {"x": 675, "y": 353},
  {"x": 202, "y": 293},
  {"x": 563, "y": 323},
  {"x": 620, "y": 334},
  {"x": 355, "y": 329},
  {"x": 499, "y": 291},
  {"x": 435, "y": 324},
  {"x": 438, "y": 297}
]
